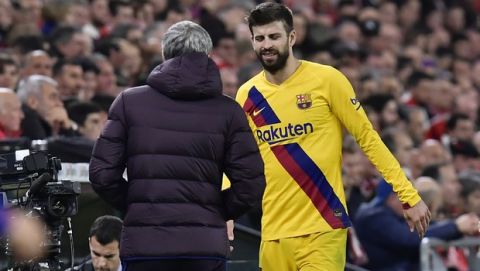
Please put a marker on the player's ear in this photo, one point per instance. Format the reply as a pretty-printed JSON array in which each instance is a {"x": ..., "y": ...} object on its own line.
[{"x": 292, "y": 37}]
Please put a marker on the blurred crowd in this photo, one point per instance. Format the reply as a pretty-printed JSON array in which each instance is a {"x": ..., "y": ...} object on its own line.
[{"x": 414, "y": 65}]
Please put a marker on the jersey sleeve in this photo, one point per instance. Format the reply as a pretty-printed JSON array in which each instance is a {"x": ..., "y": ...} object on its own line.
[{"x": 349, "y": 111}]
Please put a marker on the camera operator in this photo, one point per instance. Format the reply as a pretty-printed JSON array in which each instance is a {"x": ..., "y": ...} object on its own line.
[
  {"x": 90, "y": 119},
  {"x": 104, "y": 242},
  {"x": 26, "y": 234}
]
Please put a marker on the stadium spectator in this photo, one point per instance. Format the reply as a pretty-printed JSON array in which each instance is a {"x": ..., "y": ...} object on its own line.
[
  {"x": 419, "y": 84},
  {"x": 229, "y": 82},
  {"x": 89, "y": 118},
  {"x": 418, "y": 124},
  {"x": 459, "y": 128},
  {"x": 8, "y": 72},
  {"x": 107, "y": 79},
  {"x": 66, "y": 43},
  {"x": 399, "y": 142},
  {"x": 37, "y": 62},
  {"x": 394, "y": 247},
  {"x": 44, "y": 112},
  {"x": 121, "y": 11},
  {"x": 446, "y": 176},
  {"x": 465, "y": 156},
  {"x": 434, "y": 152},
  {"x": 69, "y": 76},
  {"x": 385, "y": 107},
  {"x": 90, "y": 77},
  {"x": 11, "y": 114},
  {"x": 358, "y": 185},
  {"x": 101, "y": 16},
  {"x": 470, "y": 181}
]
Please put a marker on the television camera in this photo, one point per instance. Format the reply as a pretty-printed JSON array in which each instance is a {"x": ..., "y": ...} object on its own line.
[{"x": 46, "y": 197}]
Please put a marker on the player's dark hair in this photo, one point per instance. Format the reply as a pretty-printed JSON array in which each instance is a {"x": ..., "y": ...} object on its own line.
[{"x": 270, "y": 12}]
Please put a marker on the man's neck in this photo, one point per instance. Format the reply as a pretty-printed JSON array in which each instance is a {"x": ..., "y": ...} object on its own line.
[{"x": 281, "y": 75}]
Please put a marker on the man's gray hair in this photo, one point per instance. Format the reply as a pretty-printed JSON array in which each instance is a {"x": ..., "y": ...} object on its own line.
[
  {"x": 185, "y": 37},
  {"x": 32, "y": 86}
]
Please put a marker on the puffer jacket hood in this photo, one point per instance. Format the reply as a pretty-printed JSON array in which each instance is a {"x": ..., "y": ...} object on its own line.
[{"x": 192, "y": 76}]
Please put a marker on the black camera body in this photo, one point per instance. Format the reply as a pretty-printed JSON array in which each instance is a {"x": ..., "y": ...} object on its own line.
[
  {"x": 47, "y": 197},
  {"x": 57, "y": 200},
  {"x": 54, "y": 199}
]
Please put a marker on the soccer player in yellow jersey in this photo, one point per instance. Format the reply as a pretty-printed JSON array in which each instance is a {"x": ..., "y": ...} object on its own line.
[{"x": 296, "y": 110}]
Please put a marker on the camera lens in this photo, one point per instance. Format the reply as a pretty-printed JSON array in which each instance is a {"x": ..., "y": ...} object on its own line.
[{"x": 59, "y": 206}]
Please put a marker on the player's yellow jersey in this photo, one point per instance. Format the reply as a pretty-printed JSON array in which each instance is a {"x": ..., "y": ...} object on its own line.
[{"x": 298, "y": 127}]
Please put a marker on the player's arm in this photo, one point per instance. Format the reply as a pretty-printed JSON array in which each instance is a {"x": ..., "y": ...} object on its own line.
[
  {"x": 347, "y": 108},
  {"x": 349, "y": 111}
]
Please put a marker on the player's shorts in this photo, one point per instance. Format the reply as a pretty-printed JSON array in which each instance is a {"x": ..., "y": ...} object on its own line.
[{"x": 323, "y": 251}]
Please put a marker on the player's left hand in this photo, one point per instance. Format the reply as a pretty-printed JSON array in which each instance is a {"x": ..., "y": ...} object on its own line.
[{"x": 418, "y": 218}]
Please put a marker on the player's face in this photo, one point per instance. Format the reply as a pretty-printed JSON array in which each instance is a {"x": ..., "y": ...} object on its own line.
[{"x": 272, "y": 44}]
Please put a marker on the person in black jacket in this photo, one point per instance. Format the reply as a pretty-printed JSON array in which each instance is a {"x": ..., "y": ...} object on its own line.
[
  {"x": 176, "y": 136},
  {"x": 104, "y": 240}
]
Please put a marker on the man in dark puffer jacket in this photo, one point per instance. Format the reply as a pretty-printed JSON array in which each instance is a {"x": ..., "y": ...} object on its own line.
[{"x": 177, "y": 136}]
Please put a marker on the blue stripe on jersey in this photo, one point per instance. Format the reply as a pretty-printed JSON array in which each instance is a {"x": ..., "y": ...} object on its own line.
[
  {"x": 262, "y": 107},
  {"x": 316, "y": 175}
]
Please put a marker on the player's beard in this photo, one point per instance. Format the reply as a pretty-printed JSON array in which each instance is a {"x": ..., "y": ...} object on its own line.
[{"x": 278, "y": 63}]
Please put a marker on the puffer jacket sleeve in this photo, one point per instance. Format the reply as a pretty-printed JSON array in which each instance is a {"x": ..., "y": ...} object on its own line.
[
  {"x": 109, "y": 160},
  {"x": 244, "y": 168}
]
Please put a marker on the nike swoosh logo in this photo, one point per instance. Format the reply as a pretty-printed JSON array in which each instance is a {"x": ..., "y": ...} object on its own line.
[{"x": 256, "y": 112}]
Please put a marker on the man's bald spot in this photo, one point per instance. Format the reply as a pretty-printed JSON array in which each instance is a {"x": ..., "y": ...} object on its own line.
[
  {"x": 430, "y": 191},
  {"x": 426, "y": 184},
  {"x": 36, "y": 53}
]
